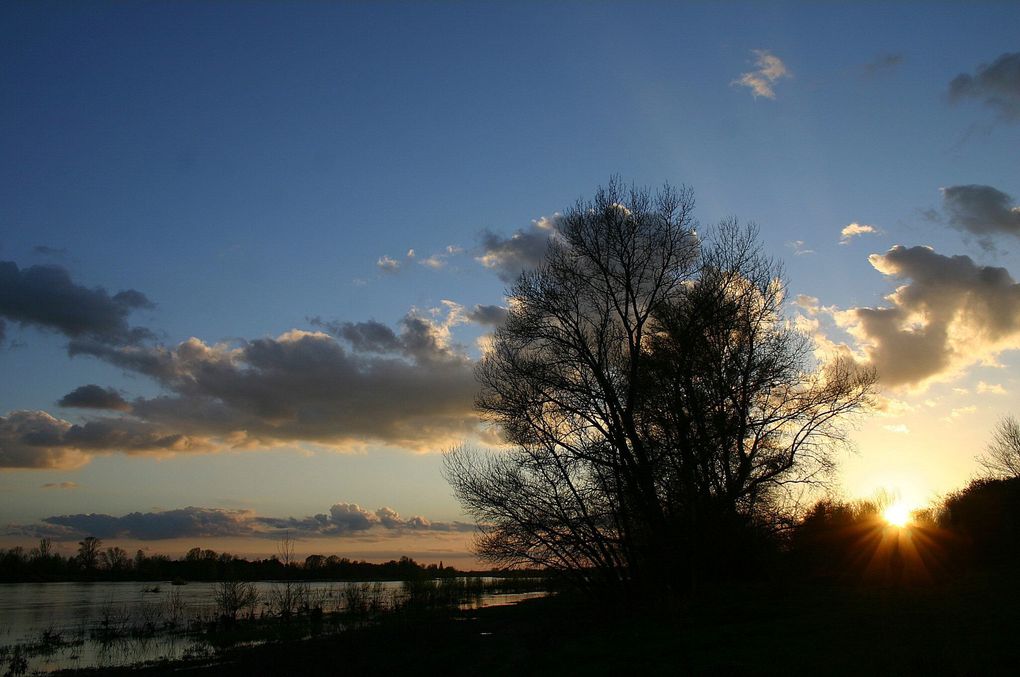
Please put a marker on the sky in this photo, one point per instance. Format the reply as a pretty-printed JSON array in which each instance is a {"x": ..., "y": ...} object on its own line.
[{"x": 249, "y": 253}]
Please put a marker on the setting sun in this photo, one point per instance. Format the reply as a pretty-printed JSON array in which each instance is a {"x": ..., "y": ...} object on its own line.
[{"x": 897, "y": 514}]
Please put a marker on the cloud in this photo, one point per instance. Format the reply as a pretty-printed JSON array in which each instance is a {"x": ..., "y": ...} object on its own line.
[
  {"x": 46, "y": 297},
  {"x": 388, "y": 265},
  {"x": 898, "y": 428},
  {"x": 36, "y": 439},
  {"x": 799, "y": 248},
  {"x": 957, "y": 413},
  {"x": 760, "y": 81},
  {"x": 982, "y": 211},
  {"x": 990, "y": 388},
  {"x": 94, "y": 397},
  {"x": 948, "y": 315},
  {"x": 492, "y": 316},
  {"x": 363, "y": 384},
  {"x": 883, "y": 62},
  {"x": 853, "y": 230},
  {"x": 524, "y": 250},
  {"x": 60, "y": 485},
  {"x": 342, "y": 519},
  {"x": 996, "y": 85}
]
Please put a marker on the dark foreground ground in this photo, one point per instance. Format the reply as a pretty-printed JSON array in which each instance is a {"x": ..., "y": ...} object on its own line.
[{"x": 968, "y": 627}]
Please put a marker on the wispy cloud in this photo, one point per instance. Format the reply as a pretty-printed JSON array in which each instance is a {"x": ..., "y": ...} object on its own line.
[
  {"x": 770, "y": 69},
  {"x": 799, "y": 248},
  {"x": 883, "y": 62},
  {"x": 991, "y": 388},
  {"x": 898, "y": 428},
  {"x": 60, "y": 485},
  {"x": 852, "y": 230}
]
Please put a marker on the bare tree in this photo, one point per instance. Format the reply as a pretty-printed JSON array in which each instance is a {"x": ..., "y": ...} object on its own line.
[
  {"x": 1002, "y": 455},
  {"x": 233, "y": 596},
  {"x": 651, "y": 390},
  {"x": 88, "y": 552}
]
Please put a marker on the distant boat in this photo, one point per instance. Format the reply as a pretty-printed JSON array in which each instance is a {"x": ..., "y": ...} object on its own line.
[{"x": 178, "y": 581}]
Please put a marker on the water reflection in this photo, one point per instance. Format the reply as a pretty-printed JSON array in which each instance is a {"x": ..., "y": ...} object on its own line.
[{"x": 55, "y": 626}]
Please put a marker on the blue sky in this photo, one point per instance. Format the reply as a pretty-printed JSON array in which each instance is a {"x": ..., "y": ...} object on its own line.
[{"x": 246, "y": 168}]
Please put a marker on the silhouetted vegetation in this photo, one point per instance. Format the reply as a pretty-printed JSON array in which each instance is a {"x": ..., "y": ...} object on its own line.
[
  {"x": 113, "y": 564},
  {"x": 659, "y": 405}
]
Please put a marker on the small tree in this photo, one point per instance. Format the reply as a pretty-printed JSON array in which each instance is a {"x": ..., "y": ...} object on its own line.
[
  {"x": 88, "y": 552},
  {"x": 1001, "y": 459},
  {"x": 234, "y": 596},
  {"x": 654, "y": 396}
]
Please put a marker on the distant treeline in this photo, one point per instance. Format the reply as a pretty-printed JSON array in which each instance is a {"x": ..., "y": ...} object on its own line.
[{"x": 93, "y": 562}]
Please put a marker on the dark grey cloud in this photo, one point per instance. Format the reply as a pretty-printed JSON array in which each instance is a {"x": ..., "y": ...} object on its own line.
[
  {"x": 343, "y": 519},
  {"x": 523, "y": 250},
  {"x": 94, "y": 397},
  {"x": 883, "y": 62},
  {"x": 492, "y": 316},
  {"x": 413, "y": 389},
  {"x": 949, "y": 314},
  {"x": 45, "y": 296},
  {"x": 366, "y": 337},
  {"x": 982, "y": 211},
  {"x": 996, "y": 85},
  {"x": 420, "y": 338},
  {"x": 3, "y": 330}
]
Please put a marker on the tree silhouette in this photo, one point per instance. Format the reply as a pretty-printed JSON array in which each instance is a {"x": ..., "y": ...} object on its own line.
[
  {"x": 88, "y": 552},
  {"x": 654, "y": 396},
  {"x": 1002, "y": 456}
]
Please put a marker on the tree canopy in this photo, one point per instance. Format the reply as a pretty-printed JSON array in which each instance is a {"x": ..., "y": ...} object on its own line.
[{"x": 652, "y": 394}]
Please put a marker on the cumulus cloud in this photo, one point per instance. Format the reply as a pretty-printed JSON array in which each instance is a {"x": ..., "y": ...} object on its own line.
[
  {"x": 36, "y": 439},
  {"x": 46, "y": 297},
  {"x": 852, "y": 230},
  {"x": 996, "y": 85},
  {"x": 982, "y": 211},
  {"x": 524, "y": 250},
  {"x": 949, "y": 314},
  {"x": 94, "y": 397},
  {"x": 364, "y": 383},
  {"x": 342, "y": 519},
  {"x": 770, "y": 68},
  {"x": 387, "y": 265}
]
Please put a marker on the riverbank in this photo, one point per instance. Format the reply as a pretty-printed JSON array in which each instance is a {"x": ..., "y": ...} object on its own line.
[{"x": 967, "y": 626}]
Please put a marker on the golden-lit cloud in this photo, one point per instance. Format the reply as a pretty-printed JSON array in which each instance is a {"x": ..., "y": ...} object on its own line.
[
  {"x": 770, "y": 69},
  {"x": 852, "y": 230},
  {"x": 947, "y": 315}
]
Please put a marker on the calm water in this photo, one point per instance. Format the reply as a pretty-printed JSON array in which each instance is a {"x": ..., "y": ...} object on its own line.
[{"x": 72, "y": 612}]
